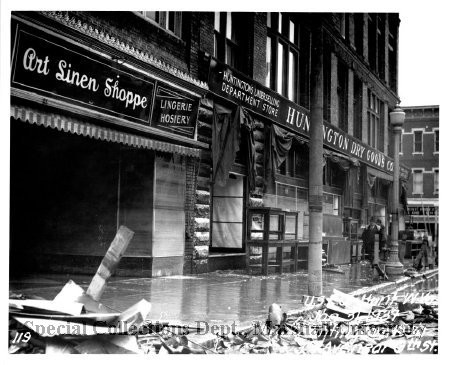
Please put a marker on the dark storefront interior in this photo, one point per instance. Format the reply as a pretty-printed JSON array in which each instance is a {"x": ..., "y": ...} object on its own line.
[{"x": 69, "y": 194}]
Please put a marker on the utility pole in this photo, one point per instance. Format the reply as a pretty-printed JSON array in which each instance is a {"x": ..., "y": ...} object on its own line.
[{"x": 316, "y": 164}]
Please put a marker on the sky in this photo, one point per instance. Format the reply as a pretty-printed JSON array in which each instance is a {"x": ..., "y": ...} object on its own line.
[{"x": 423, "y": 56}]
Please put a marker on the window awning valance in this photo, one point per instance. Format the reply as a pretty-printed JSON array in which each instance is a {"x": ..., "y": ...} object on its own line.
[
  {"x": 82, "y": 128},
  {"x": 380, "y": 174}
]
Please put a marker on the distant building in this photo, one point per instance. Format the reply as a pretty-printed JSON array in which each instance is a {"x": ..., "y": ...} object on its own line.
[{"x": 419, "y": 150}]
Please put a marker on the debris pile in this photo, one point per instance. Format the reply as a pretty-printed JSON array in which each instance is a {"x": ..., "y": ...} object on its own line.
[
  {"x": 75, "y": 321},
  {"x": 344, "y": 324}
]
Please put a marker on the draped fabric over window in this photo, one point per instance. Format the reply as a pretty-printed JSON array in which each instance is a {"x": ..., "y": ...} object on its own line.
[
  {"x": 350, "y": 166},
  {"x": 277, "y": 146},
  {"x": 229, "y": 130}
]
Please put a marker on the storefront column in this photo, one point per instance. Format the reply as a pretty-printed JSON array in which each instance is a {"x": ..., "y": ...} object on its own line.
[{"x": 315, "y": 167}]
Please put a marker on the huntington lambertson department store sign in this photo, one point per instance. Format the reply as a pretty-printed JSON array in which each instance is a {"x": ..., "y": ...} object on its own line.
[
  {"x": 66, "y": 71},
  {"x": 236, "y": 87}
]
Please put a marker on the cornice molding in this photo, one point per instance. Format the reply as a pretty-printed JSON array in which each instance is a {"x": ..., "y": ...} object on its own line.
[{"x": 71, "y": 21}]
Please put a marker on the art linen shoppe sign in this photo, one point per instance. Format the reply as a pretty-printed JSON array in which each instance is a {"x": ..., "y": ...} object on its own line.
[
  {"x": 61, "y": 70},
  {"x": 240, "y": 89}
]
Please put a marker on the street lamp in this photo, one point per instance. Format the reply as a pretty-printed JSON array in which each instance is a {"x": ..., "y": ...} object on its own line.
[{"x": 393, "y": 264}]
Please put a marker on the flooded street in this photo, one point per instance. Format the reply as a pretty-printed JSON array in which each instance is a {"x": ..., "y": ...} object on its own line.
[{"x": 221, "y": 296}]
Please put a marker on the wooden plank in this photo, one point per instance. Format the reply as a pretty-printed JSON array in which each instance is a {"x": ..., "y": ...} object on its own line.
[{"x": 110, "y": 262}]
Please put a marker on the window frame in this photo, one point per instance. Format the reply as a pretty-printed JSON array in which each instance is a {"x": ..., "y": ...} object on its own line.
[
  {"x": 304, "y": 190},
  {"x": 436, "y": 140},
  {"x": 435, "y": 172},
  {"x": 288, "y": 167},
  {"x": 342, "y": 95},
  {"x": 225, "y": 39},
  {"x": 374, "y": 116},
  {"x": 162, "y": 21},
  {"x": 414, "y": 172},
  {"x": 335, "y": 197},
  {"x": 414, "y": 131},
  {"x": 279, "y": 36}
]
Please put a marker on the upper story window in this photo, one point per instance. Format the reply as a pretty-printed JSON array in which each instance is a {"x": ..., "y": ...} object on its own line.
[
  {"x": 287, "y": 57},
  {"x": 357, "y": 107},
  {"x": 359, "y": 32},
  {"x": 327, "y": 82},
  {"x": 283, "y": 52},
  {"x": 392, "y": 50},
  {"x": 375, "y": 119},
  {"x": 168, "y": 20},
  {"x": 418, "y": 141},
  {"x": 417, "y": 182},
  {"x": 436, "y": 181},
  {"x": 436, "y": 140},
  {"x": 230, "y": 39},
  {"x": 377, "y": 43},
  {"x": 342, "y": 94}
]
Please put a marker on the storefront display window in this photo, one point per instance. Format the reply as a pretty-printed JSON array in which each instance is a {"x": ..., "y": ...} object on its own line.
[{"x": 331, "y": 204}]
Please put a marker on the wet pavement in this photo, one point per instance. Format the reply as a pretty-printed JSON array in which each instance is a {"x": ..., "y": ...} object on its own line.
[{"x": 216, "y": 297}]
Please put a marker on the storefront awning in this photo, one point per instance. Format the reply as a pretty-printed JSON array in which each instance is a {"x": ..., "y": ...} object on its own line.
[{"x": 82, "y": 128}]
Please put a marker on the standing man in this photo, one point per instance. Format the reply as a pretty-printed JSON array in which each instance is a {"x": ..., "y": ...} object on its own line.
[
  {"x": 383, "y": 240},
  {"x": 368, "y": 237}
]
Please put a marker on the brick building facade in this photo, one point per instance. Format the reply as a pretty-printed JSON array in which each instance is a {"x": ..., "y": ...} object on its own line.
[
  {"x": 248, "y": 68},
  {"x": 420, "y": 152}
]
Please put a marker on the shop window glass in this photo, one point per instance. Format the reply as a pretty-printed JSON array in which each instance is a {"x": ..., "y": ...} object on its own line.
[
  {"x": 228, "y": 207},
  {"x": 168, "y": 205},
  {"x": 331, "y": 204},
  {"x": 296, "y": 163}
]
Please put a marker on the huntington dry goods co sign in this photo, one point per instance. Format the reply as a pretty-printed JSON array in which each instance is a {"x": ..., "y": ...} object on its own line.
[
  {"x": 54, "y": 67},
  {"x": 240, "y": 89}
]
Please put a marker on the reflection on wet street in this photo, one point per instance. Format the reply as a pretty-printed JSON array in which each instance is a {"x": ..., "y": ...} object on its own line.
[
  {"x": 221, "y": 296},
  {"x": 227, "y": 296}
]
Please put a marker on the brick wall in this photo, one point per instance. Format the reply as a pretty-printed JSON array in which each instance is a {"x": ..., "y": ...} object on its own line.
[
  {"x": 141, "y": 34},
  {"x": 259, "y": 47}
]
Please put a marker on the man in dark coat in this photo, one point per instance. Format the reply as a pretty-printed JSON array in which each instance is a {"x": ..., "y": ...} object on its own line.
[
  {"x": 383, "y": 240},
  {"x": 368, "y": 237}
]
